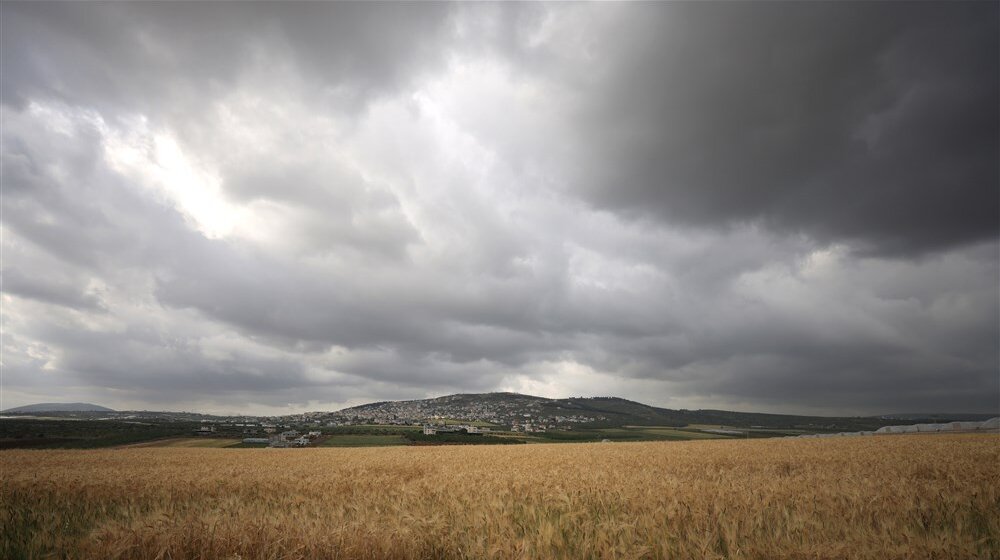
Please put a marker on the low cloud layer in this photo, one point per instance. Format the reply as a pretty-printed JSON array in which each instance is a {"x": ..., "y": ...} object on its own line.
[{"x": 272, "y": 207}]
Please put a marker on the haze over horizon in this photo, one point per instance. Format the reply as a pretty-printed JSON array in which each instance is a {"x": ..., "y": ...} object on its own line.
[{"x": 269, "y": 208}]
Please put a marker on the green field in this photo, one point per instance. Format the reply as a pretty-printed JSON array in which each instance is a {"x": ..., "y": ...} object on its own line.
[
  {"x": 385, "y": 426},
  {"x": 361, "y": 440},
  {"x": 71, "y": 433},
  {"x": 384, "y": 429},
  {"x": 453, "y": 422},
  {"x": 189, "y": 442},
  {"x": 626, "y": 433},
  {"x": 669, "y": 433}
]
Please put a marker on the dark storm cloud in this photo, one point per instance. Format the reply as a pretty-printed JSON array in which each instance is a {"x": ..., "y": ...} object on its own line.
[
  {"x": 756, "y": 205},
  {"x": 871, "y": 123}
]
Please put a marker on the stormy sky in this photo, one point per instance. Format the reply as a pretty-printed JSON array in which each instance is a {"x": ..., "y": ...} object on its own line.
[{"x": 272, "y": 208}]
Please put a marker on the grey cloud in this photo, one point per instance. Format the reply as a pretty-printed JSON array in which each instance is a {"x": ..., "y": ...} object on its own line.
[
  {"x": 115, "y": 56},
  {"x": 840, "y": 337},
  {"x": 169, "y": 365},
  {"x": 60, "y": 196},
  {"x": 329, "y": 208},
  {"x": 858, "y": 384},
  {"x": 874, "y": 124},
  {"x": 57, "y": 291},
  {"x": 155, "y": 367}
]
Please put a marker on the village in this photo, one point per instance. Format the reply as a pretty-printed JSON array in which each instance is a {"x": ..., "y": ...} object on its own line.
[
  {"x": 288, "y": 438},
  {"x": 261, "y": 434},
  {"x": 267, "y": 433},
  {"x": 519, "y": 413},
  {"x": 454, "y": 414},
  {"x": 293, "y": 438}
]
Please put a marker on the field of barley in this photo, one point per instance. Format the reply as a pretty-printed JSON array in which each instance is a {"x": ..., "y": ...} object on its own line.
[{"x": 913, "y": 497}]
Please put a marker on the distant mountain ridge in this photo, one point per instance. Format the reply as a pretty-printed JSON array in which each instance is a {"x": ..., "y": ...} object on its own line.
[
  {"x": 951, "y": 417},
  {"x": 59, "y": 407}
]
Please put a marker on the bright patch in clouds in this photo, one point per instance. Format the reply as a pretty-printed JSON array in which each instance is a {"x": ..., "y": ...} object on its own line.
[{"x": 155, "y": 161}]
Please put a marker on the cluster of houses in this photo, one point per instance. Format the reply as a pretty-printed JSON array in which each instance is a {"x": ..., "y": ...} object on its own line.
[
  {"x": 432, "y": 429},
  {"x": 456, "y": 407},
  {"x": 518, "y": 426},
  {"x": 210, "y": 427},
  {"x": 290, "y": 438}
]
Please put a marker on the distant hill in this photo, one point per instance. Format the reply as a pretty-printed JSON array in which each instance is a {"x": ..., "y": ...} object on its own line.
[
  {"x": 940, "y": 416},
  {"x": 59, "y": 407},
  {"x": 508, "y": 408}
]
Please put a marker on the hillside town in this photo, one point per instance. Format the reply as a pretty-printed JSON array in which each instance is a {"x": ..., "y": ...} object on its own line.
[{"x": 517, "y": 412}]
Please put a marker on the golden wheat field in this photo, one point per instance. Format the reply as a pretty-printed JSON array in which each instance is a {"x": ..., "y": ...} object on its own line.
[{"x": 914, "y": 497}]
